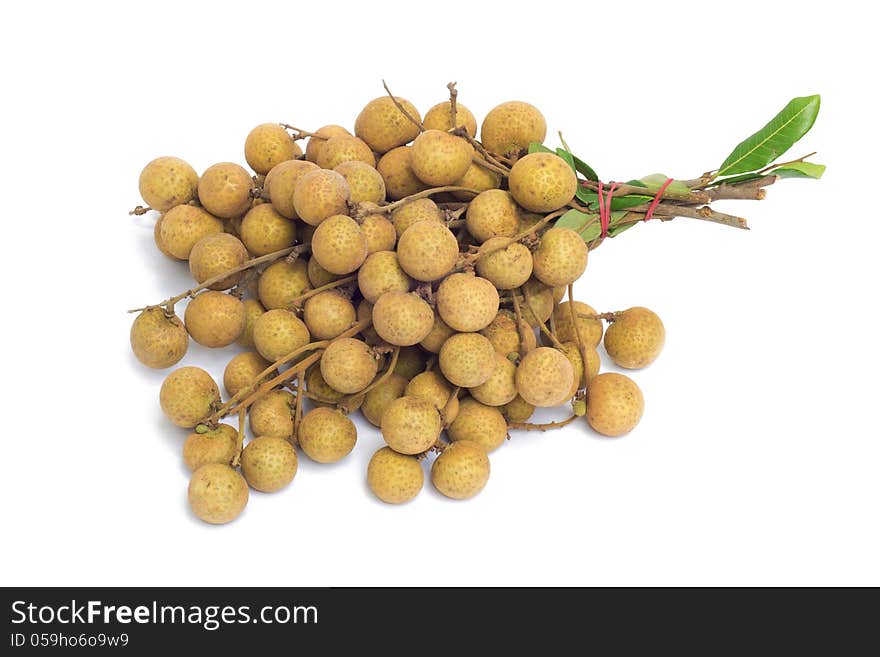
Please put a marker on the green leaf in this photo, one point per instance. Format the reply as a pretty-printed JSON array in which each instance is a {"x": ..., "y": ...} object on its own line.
[
  {"x": 585, "y": 169},
  {"x": 538, "y": 148},
  {"x": 733, "y": 180},
  {"x": 591, "y": 199},
  {"x": 771, "y": 141},
  {"x": 586, "y": 225},
  {"x": 656, "y": 180},
  {"x": 568, "y": 157},
  {"x": 800, "y": 170},
  {"x": 614, "y": 231}
]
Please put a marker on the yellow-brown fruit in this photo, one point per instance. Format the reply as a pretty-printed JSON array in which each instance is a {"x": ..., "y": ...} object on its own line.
[
  {"x": 264, "y": 230},
  {"x": 214, "y": 319},
  {"x": 157, "y": 238},
  {"x": 500, "y": 387},
  {"x": 427, "y": 251},
  {"x": 410, "y": 362},
  {"x": 345, "y": 148},
  {"x": 536, "y": 302},
  {"x": 614, "y": 404},
  {"x": 461, "y": 471},
  {"x": 394, "y": 478},
  {"x": 432, "y": 387},
  {"x": 505, "y": 337},
  {"x": 590, "y": 329},
  {"x": 268, "y": 464},
  {"x": 381, "y": 273},
  {"x": 400, "y": 181},
  {"x": 581, "y": 378},
  {"x": 467, "y": 302},
  {"x": 272, "y": 415},
  {"x": 433, "y": 342},
  {"x": 478, "y": 178},
  {"x": 318, "y": 276},
  {"x": 379, "y": 232},
  {"x": 544, "y": 377},
  {"x": 184, "y": 225},
  {"x": 158, "y": 341},
  {"x": 167, "y": 182},
  {"x": 423, "y": 209},
  {"x": 365, "y": 312},
  {"x": 542, "y": 182},
  {"x": 402, "y": 318},
  {"x": 321, "y": 393},
  {"x": 217, "y": 494},
  {"x": 379, "y": 398},
  {"x": 242, "y": 371},
  {"x": 320, "y": 194},
  {"x": 506, "y": 266},
  {"x": 492, "y": 213},
  {"x": 518, "y": 410},
  {"x": 349, "y": 365},
  {"x": 410, "y": 425},
  {"x": 364, "y": 180},
  {"x": 225, "y": 190},
  {"x": 327, "y": 314},
  {"x": 339, "y": 245},
  {"x": 213, "y": 446},
  {"x": 316, "y": 144},
  {"x": 383, "y": 126},
  {"x": 450, "y": 412},
  {"x": 282, "y": 282},
  {"x": 281, "y": 182},
  {"x": 439, "y": 158},
  {"x": 635, "y": 338},
  {"x": 252, "y": 311},
  {"x": 439, "y": 117},
  {"x": 560, "y": 258},
  {"x": 467, "y": 359},
  {"x": 279, "y": 332},
  {"x": 326, "y": 435},
  {"x": 482, "y": 424},
  {"x": 215, "y": 254},
  {"x": 187, "y": 396},
  {"x": 510, "y": 127},
  {"x": 268, "y": 145}
]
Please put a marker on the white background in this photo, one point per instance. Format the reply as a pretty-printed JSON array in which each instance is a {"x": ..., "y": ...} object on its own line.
[{"x": 757, "y": 459}]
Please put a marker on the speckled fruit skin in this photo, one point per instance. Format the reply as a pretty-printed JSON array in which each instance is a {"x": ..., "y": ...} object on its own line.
[
  {"x": 439, "y": 117},
  {"x": 430, "y": 386},
  {"x": 635, "y": 338},
  {"x": 383, "y": 126},
  {"x": 466, "y": 302},
  {"x": 345, "y": 148},
  {"x": 614, "y": 404},
  {"x": 379, "y": 232},
  {"x": 216, "y": 446},
  {"x": 427, "y": 251},
  {"x": 467, "y": 359},
  {"x": 184, "y": 225},
  {"x": 477, "y": 178},
  {"x": 187, "y": 395},
  {"x": 268, "y": 145},
  {"x": 394, "y": 478},
  {"x": 268, "y": 464},
  {"x": 281, "y": 182},
  {"x": 326, "y": 435},
  {"x": 511, "y": 127},
  {"x": 339, "y": 245},
  {"x": 500, "y": 387},
  {"x": 214, "y": 319},
  {"x": 225, "y": 190},
  {"x": 327, "y": 314},
  {"x": 480, "y": 423},
  {"x": 264, "y": 230},
  {"x": 461, "y": 471},
  {"x": 278, "y": 332},
  {"x": 410, "y": 362},
  {"x": 364, "y": 180},
  {"x": 439, "y": 158},
  {"x": 320, "y": 194},
  {"x": 282, "y": 282},
  {"x": 400, "y": 180},
  {"x": 423, "y": 209},
  {"x": 440, "y": 332},
  {"x": 214, "y": 254},
  {"x": 242, "y": 371},
  {"x": 349, "y": 365},
  {"x": 271, "y": 415},
  {"x": 505, "y": 337},
  {"x": 252, "y": 311},
  {"x": 542, "y": 182},
  {"x": 560, "y": 258},
  {"x": 410, "y": 425},
  {"x": 167, "y": 182},
  {"x": 318, "y": 276},
  {"x": 544, "y": 377},
  {"x": 316, "y": 144},
  {"x": 402, "y": 318},
  {"x": 492, "y": 213},
  {"x": 590, "y": 330},
  {"x": 158, "y": 341},
  {"x": 217, "y": 493},
  {"x": 377, "y": 400},
  {"x": 518, "y": 410}
]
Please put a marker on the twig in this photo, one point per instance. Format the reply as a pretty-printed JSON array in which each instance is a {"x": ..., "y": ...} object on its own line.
[
  {"x": 139, "y": 210},
  {"x": 519, "y": 323},
  {"x": 622, "y": 190},
  {"x": 529, "y": 426},
  {"x": 519, "y": 236},
  {"x": 301, "y": 134},
  {"x": 426, "y": 193},
  {"x": 752, "y": 190},
  {"x": 403, "y": 111},
  {"x": 578, "y": 339},
  {"x": 323, "y": 288},
  {"x": 541, "y": 324},
  {"x": 453, "y": 103}
]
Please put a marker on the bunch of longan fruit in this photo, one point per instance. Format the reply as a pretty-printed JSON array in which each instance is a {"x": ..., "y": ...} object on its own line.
[{"x": 408, "y": 271}]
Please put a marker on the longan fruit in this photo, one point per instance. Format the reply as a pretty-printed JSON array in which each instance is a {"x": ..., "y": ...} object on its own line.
[
  {"x": 590, "y": 330},
  {"x": 157, "y": 238},
  {"x": 402, "y": 318},
  {"x": 506, "y": 338},
  {"x": 158, "y": 341},
  {"x": 379, "y": 398},
  {"x": 349, "y": 365},
  {"x": 506, "y": 267},
  {"x": 268, "y": 464},
  {"x": 466, "y": 302},
  {"x": 379, "y": 232},
  {"x": 279, "y": 332},
  {"x": 365, "y": 312},
  {"x": 167, "y": 182},
  {"x": 345, "y": 148},
  {"x": 184, "y": 225},
  {"x": 316, "y": 144},
  {"x": 635, "y": 338},
  {"x": 581, "y": 377},
  {"x": 544, "y": 377},
  {"x": 400, "y": 181},
  {"x": 480, "y": 423},
  {"x": 614, "y": 404},
  {"x": 214, "y": 254},
  {"x": 225, "y": 190},
  {"x": 327, "y": 314},
  {"x": 410, "y": 425},
  {"x": 510, "y": 127},
  {"x": 364, "y": 180},
  {"x": 427, "y": 251},
  {"x": 242, "y": 371},
  {"x": 268, "y": 145},
  {"x": 264, "y": 230},
  {"x": 320, "y": 194},
  {"x": 326, "y": 435},
  {"x": 187, "y": 396},
  {"x": 461, "y": 471},
  {"x": 542, "y": 182},
  {"x": 492, "y": 213},
  {"x": 478, "y": 178},
  {"x": 272, "y": 415},
  {"x": 410, "y": 361},
  {"x": 383, "y": 126},
  {"x": 538, "y": 305},
  {"x": 430, "y": 386},
  {"x": 281, "y": 182},
  {"x": 440, "y": 158},
  {"x": 560, "y": 258},
  {"x": 322, "y": 393},
  {"x": 450, "y": 411},
  {"x": 282, "y": 282},
  {"x": 318, "y": 276},
  {"x": 467, "y": 359},
  {"x": 422, "y": 209},
  {"x": 252, "y": 311},
  {"x": 433, "y": 342},
  {"x": 518, "y": 410},
  {"x": 393, "y": 477},
  {"x": 213, "y": 446},
  {"x": 214, "y": 319},
  {"x": 339, "y": 245},
  {"x": 439, "y": 117},
  {"x": 217, "y": 494},
  {"x": 500, "y": 387},
  {"x": 381, "y": 273}
]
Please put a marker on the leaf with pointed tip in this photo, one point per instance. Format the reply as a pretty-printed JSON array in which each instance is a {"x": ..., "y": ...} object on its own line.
[
  {"x": 538, "y": 148},
  {"x": 591, "y": 199},
  {"x": 585, "y": 225},
  {"x": 568, "y": 157},
  {"x": 585, "y": 169},
  {"x": 800, "y": 170},
  {"x": 656, "y": 180},
  {"x": 614, "y": 231}
]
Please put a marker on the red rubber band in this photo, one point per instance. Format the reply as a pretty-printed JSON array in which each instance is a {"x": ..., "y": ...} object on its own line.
[
  {"x": 605, "y": 208},
  {"x": 656, "y": 201}
]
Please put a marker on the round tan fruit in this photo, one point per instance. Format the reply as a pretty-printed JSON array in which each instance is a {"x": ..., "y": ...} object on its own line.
[
  {"x": 394, "y": 478},
  {"x": 383, "y": 126},
  {"x": 635, "y": 338},
  {"x": 461, "y": 471},
  {"x": 264, "y": 230},
  {"x": 326, "y": 435},
  {"x": 400, "y": 181},
  {"x": 560, "y": 258},
  {"x": 279, "y": 332},
  {"x": 320, "y": 194},
  {"x": 427, "y": 251},
  {"x": 217, "y": 493},
  {"x": 402, "y": 318},
  {"x": 544, "y": 377},
  {"x": 439, "y": 158},
  {"x": 187, "y": 396},
  {"x": 268, "y": 464},
  {"x": 511, "y": 127},
  {"x": 158, "y": 341},
  {"x": 542, "y": 182},
  {"x": 467, "y": 359},
  {"x": 213, "y": 446},
  {"x": 167, "y": 182},
  {"x": 410, "y": 425},
  {"x": 268, "y": 145},
  {"x": 614, "y": 404},
  {"x": 479, "y": 423},
  {"x": 184, "y": 225},
  {"x": 225, "y": 190},
  {"x": 349, "y": 365},
  {"x": 466, "y": 302},
  {"x": 216, "y": 254},
  {"x": 214, "y": 319}
]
